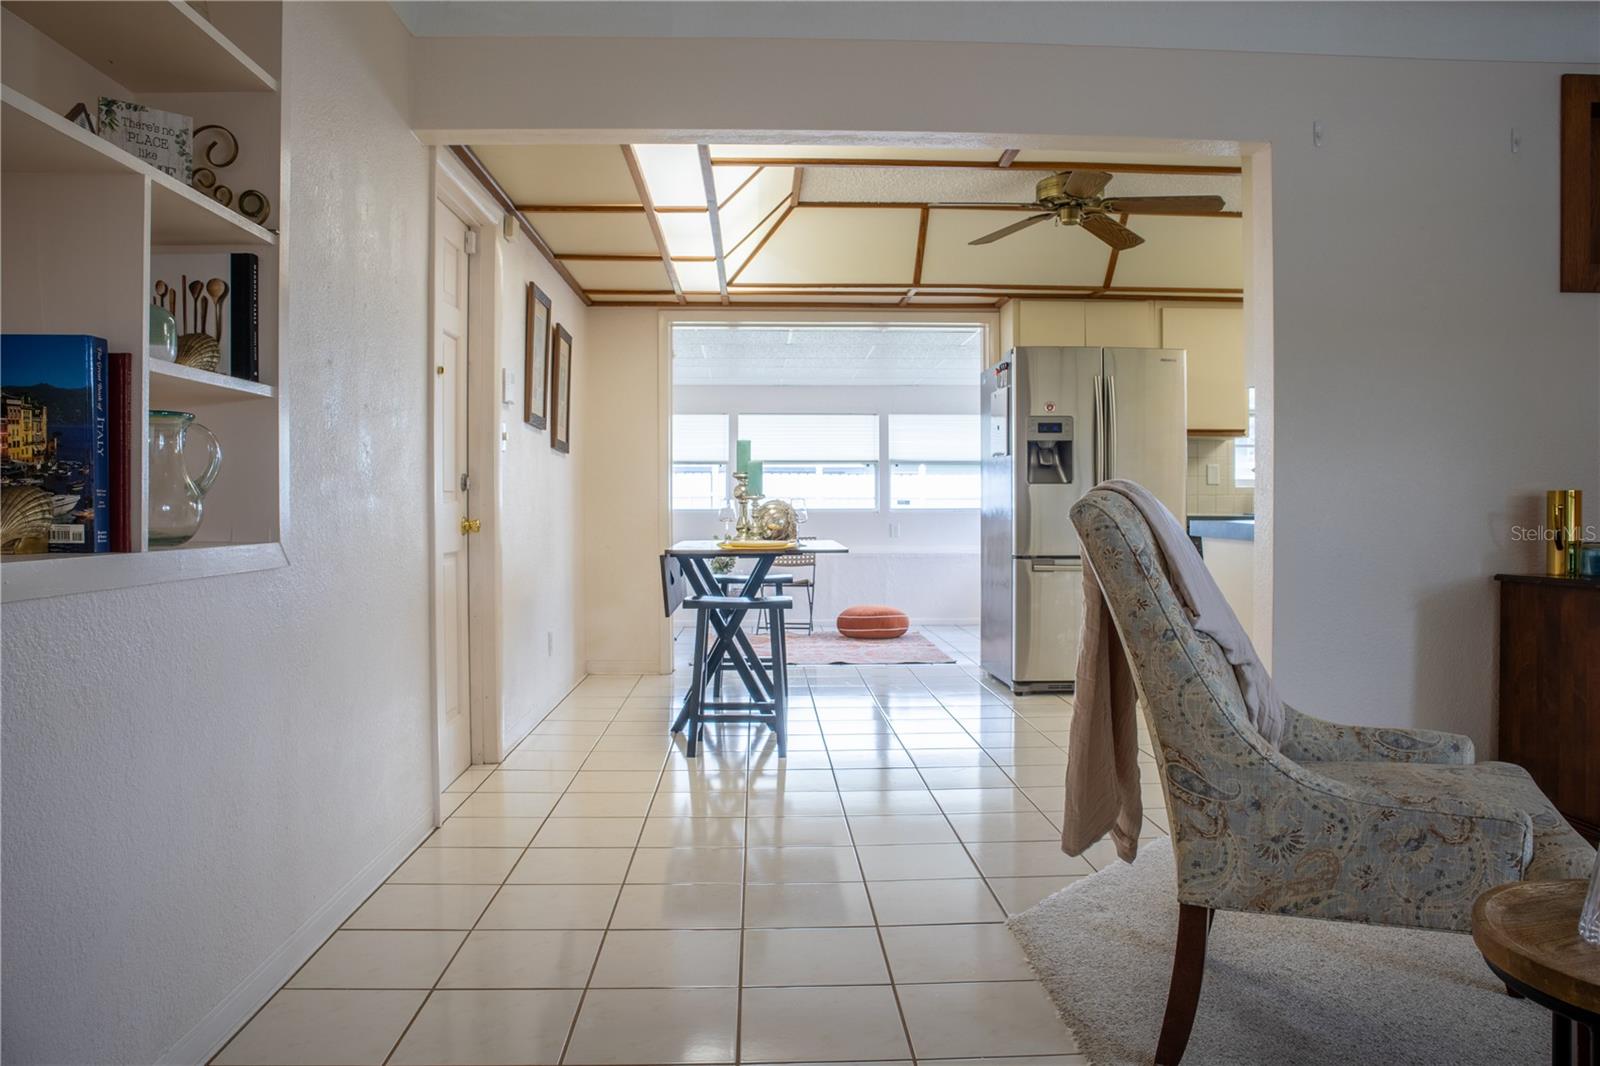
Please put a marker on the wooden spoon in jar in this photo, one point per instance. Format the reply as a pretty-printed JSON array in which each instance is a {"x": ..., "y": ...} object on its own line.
[
  {"x": 161, "y": 295},
  {"x": 217, "y": 289},
  {"x": 196, "y": 287}
]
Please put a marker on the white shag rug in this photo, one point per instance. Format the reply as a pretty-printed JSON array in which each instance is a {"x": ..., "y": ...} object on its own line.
[{"x": 1276, "y": 990}]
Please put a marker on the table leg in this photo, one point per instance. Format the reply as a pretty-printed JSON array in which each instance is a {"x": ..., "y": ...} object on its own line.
[{"x": 1560, "y": 1040}]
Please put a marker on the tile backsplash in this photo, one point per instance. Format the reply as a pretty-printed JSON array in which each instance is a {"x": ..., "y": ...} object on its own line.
[{"x": 1224, "y": 497}]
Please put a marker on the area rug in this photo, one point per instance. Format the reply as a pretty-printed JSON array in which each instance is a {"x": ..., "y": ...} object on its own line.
[
  {"x": 1276, "y": 990},
  {"x": 830, "y": 649}
]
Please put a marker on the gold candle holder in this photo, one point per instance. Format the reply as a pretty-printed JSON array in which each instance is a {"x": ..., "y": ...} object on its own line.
[{"x": 744, "y": 502}]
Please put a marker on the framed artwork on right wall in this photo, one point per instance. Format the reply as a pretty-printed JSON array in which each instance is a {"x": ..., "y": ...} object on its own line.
[
  {"x": 536, "y": 359},
  {"x": 561, "y": 391}
]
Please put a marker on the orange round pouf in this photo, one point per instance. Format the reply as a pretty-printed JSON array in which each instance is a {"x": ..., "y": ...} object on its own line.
[{"x": 873, "y": 623}]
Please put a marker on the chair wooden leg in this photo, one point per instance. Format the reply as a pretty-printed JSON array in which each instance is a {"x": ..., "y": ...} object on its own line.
[{"x": 1183, "y": 996}]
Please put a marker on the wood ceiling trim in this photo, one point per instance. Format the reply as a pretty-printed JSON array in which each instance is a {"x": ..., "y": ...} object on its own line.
[
  {"x": 922, "y": 248},
  {"x": 637, "y": 174},
  {"x": 709, "y": 178},
  {"x": 802, "y": 305},
  {"x": 776, "y": 226},
  {"x": 497, "y": 192},
  {"x": 779, "y": 206},
  {"x": 983, "y": 164},
  {"x": 726, "y": 200},
  {"x": 1007, "y": 157}
]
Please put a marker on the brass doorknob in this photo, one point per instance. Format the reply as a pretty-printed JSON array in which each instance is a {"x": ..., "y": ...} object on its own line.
[{"x": 471, "y": 525}]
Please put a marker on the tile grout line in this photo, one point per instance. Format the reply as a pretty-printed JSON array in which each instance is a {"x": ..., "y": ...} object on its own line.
[{"x": 503, "y": 882}]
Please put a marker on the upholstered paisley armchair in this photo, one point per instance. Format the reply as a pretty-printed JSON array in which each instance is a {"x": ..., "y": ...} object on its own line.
[{"x": 1385, "y": 826}]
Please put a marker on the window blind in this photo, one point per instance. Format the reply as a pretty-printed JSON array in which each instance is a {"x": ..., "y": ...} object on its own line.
[
  {"x": 935, "y": 438},
  {"x": 699, "y": 438},
  {"x": 811, "y": 438}
]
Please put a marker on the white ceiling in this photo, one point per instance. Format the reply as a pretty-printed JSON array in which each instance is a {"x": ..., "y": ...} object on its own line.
[
  {"x": 1536, "y": 32},
  {"x": 826, "y": 356}
]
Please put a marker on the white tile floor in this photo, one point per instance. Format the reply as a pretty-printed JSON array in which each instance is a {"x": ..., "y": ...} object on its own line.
[{"x": 598, "y": 898}]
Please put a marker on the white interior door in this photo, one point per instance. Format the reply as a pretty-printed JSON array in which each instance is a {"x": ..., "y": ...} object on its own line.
[{"x": 450, "y": 509}]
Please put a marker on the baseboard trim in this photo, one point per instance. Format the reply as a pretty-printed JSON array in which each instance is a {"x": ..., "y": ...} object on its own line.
[
  {"x": 624, "y": 666},
  {"x": 197, "y": 1046}
]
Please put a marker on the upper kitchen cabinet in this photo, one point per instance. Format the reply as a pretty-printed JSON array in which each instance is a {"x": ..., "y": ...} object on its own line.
[
  {"x": 1121, "y": 324},
  {"x": 1041, "y": 323},
  {"x": 1218, "y": 396}
]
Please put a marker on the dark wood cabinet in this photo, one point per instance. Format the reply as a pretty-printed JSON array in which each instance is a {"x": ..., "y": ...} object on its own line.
[{"x": 1550, "y": 689}]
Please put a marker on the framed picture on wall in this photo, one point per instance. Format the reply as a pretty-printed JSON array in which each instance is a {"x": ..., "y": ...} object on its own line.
[
  {"x": 561, "y": 391},
  {"x": 536, "y": 359}
]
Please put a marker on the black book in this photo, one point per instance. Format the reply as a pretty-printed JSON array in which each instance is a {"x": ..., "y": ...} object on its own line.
[{"x": 245, "y": 316}]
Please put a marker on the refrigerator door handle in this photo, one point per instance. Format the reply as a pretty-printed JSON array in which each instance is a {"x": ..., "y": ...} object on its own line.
[
  {"x": 1111, "y": 426},
  {"x": 1099, "y": 429}
]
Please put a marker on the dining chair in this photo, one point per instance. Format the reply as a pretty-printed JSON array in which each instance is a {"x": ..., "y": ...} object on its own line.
[
  {"x": 770, "y": 709},
  {"x": 801, "y": 560},
  {"x": 1379, "y": 825}
]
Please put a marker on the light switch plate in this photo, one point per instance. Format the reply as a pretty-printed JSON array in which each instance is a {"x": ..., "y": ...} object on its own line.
[
  {"x": 508, "y": 382},
  {"x": 1213, "y": 474}
]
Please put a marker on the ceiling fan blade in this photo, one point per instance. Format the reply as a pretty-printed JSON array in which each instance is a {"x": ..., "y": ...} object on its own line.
[
  {"x": 1163, "y": 205},
  {"x": 1085, "y": 183},
  {"x": 1007, "y": 231},
  {"x": 1112, "y": 232}
]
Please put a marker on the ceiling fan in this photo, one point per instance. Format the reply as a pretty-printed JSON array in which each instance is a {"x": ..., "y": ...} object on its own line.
[{"x": 1072, "y": 198}]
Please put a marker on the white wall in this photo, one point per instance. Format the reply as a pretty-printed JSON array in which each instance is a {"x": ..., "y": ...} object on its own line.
[
  {"x": 624, "y": 493},
  {"x": 1429, "y": 379},
  {"x": 927, "y": 565},
  {"x": 538, "y": 572},
  {"x": 194, "y": 772}
]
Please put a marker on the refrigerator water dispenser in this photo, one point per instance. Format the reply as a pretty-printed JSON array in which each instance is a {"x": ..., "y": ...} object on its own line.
[{"x": 1049, "y": 451}]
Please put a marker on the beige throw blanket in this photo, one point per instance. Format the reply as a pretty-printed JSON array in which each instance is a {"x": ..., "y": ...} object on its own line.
[{"x": 1102, "y": 748}]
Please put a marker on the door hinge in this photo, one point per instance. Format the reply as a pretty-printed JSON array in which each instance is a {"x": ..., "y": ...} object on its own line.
[
  {"x": 471, "y": 243},
  {"x": 466, "y": 482}
]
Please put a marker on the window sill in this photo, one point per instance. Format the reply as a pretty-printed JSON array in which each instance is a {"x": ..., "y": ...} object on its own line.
[{"x": 47, "y": 576}]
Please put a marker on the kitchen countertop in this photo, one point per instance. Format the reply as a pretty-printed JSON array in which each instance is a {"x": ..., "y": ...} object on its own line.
[{"x": 1223, "y": 527}]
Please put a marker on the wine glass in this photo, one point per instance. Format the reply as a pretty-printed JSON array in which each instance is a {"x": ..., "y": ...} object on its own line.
[
  {"x": 725, "y": 516},
  {"x": 801, "y": 515}
]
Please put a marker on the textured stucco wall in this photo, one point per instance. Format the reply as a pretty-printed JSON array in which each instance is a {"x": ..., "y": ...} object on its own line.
[{"x": 192, "y": 770}]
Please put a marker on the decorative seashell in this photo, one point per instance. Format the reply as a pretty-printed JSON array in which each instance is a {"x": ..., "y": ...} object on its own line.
[
  {"x": 199, "y": 350},
  {"x": 25, "y": 514},
  {"x": 775, "y": 520}
]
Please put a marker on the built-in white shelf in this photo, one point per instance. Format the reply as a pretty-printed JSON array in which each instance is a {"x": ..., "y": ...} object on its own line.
[
  {"x": 35, "y": 577},
  {"x": 35, "y": 140},
  {"x": 162, "y": 47},
  {"x": 177, "y": 387},
  {"x": 83, "y": 221}
]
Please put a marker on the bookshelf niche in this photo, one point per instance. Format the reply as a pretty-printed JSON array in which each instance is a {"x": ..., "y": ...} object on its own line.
[{"x": 86, "y": 230}]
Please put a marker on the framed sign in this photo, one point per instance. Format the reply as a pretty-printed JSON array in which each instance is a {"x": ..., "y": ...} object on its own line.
[
  {"x": 536, "y": 359},
  {"x": 561, "y": 391}
]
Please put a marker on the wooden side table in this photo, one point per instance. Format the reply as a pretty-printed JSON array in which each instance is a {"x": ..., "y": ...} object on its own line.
[{"x": 1528, "y": 934}]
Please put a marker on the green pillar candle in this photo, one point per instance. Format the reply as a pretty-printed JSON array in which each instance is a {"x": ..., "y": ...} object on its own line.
[
  {"x": 741, "y": 457},
  {"x": 753, "y": 486}
]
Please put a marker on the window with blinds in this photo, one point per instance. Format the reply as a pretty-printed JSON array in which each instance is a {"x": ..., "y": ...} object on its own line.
[
  {"x": 828, "y": 461},
  {"x": 934, "y": 462},
  {"x": 699, "y": 462}
]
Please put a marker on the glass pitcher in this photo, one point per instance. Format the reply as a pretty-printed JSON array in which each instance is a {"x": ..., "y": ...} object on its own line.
[{"x": 175, "y": 497}]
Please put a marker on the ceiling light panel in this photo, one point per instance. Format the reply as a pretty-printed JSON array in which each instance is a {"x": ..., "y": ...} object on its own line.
[
  {"x": 672, "y": 174},
  {"x": 687, "y": 233}
]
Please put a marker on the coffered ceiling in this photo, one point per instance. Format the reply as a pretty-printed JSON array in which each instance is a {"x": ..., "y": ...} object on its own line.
[{"x": 794, "y": 226}]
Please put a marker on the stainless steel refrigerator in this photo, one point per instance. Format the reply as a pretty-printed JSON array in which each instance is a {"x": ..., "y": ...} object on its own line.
[{"x": 1058, "y": 421}]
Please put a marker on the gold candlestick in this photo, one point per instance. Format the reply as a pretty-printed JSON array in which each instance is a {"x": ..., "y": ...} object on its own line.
[{"x": 745, "y": 529}]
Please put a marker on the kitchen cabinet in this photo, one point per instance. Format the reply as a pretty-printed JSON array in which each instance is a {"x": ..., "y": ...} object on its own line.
[
  {"x": 1219, "y": 404},
  {"x": 1121, "y": 324},
  {"x": 1042, "y": 323}
]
